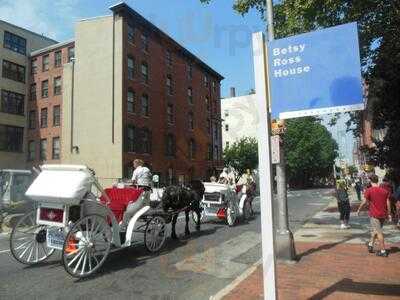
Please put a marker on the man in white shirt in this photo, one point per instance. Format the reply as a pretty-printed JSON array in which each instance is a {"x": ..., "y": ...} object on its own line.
[
  {"x": 142, "y": 179},
  {"x": 141, "y": 175}
]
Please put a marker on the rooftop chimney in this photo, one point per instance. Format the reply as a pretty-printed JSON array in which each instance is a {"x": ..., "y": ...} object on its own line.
[{"x": 232, "y": 92}]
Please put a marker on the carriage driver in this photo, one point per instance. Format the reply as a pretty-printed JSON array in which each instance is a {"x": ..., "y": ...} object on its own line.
[{"x": 142, "y": 179}]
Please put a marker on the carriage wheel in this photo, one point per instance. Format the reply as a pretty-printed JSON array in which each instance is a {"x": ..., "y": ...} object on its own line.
[
  {"x": 28, "y": 241},
  {"x": 231, "y": 216},
  {"x": 155, "y": 234},
  {"x": 86, "y": 246},
  {"x": 247, "y": 210}
]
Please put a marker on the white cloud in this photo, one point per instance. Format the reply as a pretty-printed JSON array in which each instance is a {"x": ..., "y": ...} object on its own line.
[{"x": 54, "y": 19}]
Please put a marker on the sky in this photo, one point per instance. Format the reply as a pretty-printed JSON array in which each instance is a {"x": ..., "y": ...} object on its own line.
[{"x": 215, "y": 33}]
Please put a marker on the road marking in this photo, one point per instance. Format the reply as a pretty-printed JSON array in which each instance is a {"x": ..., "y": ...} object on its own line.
[
  {"x": 4, "y": 251},
  {"x": 218, "y": 261}
]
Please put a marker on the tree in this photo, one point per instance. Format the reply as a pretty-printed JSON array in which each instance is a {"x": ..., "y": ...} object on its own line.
[
  {"x": 310, "y": 151},
  {"x": 242, "y": 154},
  {"x": 352, "y": 170}
]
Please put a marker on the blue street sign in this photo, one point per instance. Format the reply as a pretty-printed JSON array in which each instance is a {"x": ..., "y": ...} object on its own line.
[{"x": 316, "y": 73}]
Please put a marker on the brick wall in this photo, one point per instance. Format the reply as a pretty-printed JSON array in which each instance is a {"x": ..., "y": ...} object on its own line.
[
  {"x": 51, "y": 131},
  {"x": 156, "y": 89}
]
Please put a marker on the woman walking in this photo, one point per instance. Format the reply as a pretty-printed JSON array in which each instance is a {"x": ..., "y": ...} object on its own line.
[{"x": 343, "y": 203}]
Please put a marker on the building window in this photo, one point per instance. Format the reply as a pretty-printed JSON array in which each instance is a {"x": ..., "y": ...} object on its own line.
[
  {"x": 130, "y": 138},
  {"x": 209, "y": 152},
  {"x": 131, "y": 101},
  {"x": 56, "y": 148},
  {"x": 43, "y": 149},
  {"x": 13, "y": 71},
  {"x": 170, "y": 114},
  {"x": 226, "y": 127},
  {"x": 71, "y": 53},
  {"x": 169, "y": 85},
  {"x": 31, "y": 150},
  {"x": 226, "y": 144},
  {"x": 146, "y": 141},
  {"x": 190, "y": 71},
  {"x": 56, "y": 116},
  {"x": 208, "y": 104},
  {"x": 145, "y": 72},
  {"x": 145, "y": 105},
  {"x": 45, "y": 89},
  {"x": 33, "y": 91},
  {"x": 216, "y": 132},
  {"x": 57, "y": 59},
  {"x": 131, "y": 68},
  {"x": 12, "y": 103},
  {"x": 131, "y": 33},
  {"x": 214, "y": 85},
  {"x": 45, "y": 62},
  {"x": 216, "y": 152},
  {"x": 145, "y": 42},
  {"x": 190, "y": 95},
  {"x": 226, "y": 113},
  {"x": 34, "y": 66},
  {"x": 11, "y": 138},
  {"x": 57, "y": 86},
  {"x": 170, "y": 145},
  {"x": 14, "y": 42},
  {"x": 43, "y": 118},
  {"x": 168, "y": 58},
  {"x": 208, "y": 126},
  {"x": 205, "y": 81},
  {"x": 32, "y": 119},
  {"x": 191, "y": 121},
  {"x": 192, "y": 149}
]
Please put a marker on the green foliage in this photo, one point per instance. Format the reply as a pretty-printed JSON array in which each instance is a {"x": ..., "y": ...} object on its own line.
[
  {"x": 310, "y": 151},
  {"x": 385, "y": 91},
  {"x": 242, "y": 155}
]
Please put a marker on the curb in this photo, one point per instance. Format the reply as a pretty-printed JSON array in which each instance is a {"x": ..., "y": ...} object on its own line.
[{"x": 230, "y": 287}]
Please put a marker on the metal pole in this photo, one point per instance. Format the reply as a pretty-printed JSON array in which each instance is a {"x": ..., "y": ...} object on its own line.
[{"x": 284, "y": 237}]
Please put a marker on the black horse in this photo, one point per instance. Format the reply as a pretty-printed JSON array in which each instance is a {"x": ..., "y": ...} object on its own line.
[{"x": 176, "y": 198}]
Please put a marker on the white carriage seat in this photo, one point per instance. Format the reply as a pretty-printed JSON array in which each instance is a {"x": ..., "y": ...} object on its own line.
[{"x": 63, "y": 184}]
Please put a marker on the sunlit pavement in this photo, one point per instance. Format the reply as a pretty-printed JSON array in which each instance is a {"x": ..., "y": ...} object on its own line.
[{"x": 193, "y": 268}]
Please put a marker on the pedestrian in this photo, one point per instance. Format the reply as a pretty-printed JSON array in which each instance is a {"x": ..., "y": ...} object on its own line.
[
  {"x": 396, "y": 197},
  {"x": 379, "y": 210},
  {"x": 388, "y": 186},
  {"x": 223, "y": 177},
  {"x": 358, "y": 187},
  {"x": 213, "y": 179},
  {"x": 343, "y": 203}
]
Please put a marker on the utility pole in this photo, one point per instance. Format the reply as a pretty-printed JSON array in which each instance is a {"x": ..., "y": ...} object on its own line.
[{"x": 284, "y": 243}]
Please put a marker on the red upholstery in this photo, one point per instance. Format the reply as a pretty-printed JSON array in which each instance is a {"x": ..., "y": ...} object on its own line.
[{"x": 120, "y": 198}]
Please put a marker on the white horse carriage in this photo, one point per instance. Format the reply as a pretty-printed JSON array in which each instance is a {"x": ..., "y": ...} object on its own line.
[
  {"x": 224, "y": 202},
  {"x": 70, "y": 218}
]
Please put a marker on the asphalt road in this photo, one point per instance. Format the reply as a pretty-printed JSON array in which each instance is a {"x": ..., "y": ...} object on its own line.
[{"x": 193, "y": 268}]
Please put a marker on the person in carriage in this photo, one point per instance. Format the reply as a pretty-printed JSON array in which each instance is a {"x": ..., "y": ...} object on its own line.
[{"x": 141, "y": 178}]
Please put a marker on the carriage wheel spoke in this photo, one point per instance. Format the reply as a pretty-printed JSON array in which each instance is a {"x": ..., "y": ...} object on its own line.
[
  {"x": 84, "y": 262},
  {"x": 76, "y": 257},
  {"x": 79, "y": 262}
]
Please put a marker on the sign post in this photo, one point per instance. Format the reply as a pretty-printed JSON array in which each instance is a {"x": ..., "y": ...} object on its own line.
[
  {"x": 305, "y": 75},
  {"x": 265, "y": 166}
]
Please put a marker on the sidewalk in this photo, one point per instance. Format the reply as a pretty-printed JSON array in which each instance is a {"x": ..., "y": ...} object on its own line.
[{"x": 333, "y": 263}]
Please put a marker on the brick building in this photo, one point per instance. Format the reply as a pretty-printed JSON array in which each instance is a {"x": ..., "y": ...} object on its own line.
[
  {"x": 45, "y": 102},
  {"x": 131, "y": 91},
  {"x": 134, "y": 92}
]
